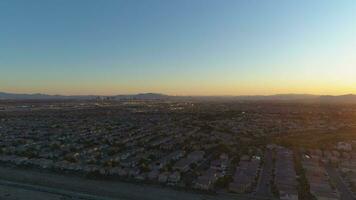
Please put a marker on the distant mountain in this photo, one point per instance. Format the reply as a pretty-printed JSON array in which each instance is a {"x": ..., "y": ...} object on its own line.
[
  {"x": 297, "y": 98},
  {"x": 349, "y": 99},
  {"x": 38, "y": 96},
  {"x": 279, "y": 97},
  {"x": 143, "y": 96},
  {"x": 344, "y": 99},
  {"x": 4, "y": 95}
]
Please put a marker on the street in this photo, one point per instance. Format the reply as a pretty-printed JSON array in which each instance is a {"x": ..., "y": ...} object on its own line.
[
  {"x": 53, "y": 186},
  {"x": 264, "y": 186},
  {"x": 345, "y": 193}
]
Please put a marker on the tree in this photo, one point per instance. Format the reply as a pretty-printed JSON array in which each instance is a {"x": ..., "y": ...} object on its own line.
[
  {"x": 193, "y": 166},
  {"x": 223, "y": 182}
]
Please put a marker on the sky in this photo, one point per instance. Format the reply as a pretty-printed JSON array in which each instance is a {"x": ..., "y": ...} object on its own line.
[{"x": 178, "y": 47}]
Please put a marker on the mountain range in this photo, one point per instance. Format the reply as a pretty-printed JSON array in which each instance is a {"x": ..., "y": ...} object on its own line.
[
  {"x": 349, "y": 98},
  {"x": 39, "y": 96}
]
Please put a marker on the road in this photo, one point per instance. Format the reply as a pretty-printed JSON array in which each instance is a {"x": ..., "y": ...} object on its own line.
[
  {"x": 18, "y": 191},
  {"x": 15, "y": 193},
  {"x": 264, "y": 184},
  {"x": 54, "y": 186},
  {"x": 14, "y": 190},
  {"x": 345, "y": 192}
]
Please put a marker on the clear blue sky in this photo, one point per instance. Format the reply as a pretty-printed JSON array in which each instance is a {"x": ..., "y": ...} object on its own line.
[{"x": 195, "y": 47}]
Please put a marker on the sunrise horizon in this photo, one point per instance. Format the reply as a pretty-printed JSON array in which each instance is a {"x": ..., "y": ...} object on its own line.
[
  {"x": 178, "y": 95},
  {"x": 178, "y": 99}
]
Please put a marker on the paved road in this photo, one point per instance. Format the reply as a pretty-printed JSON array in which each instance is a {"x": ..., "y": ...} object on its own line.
[
  {"x": 345, "y": 192},
  {"x": 15, "y": 193},
  {"x": 50, "y": 184},
  {"x": 43, "y": 192},
  {"x": 264, "y": 184}
]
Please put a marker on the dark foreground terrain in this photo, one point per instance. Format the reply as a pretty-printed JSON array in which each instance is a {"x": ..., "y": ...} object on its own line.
[{"x": 163, "y": 149}]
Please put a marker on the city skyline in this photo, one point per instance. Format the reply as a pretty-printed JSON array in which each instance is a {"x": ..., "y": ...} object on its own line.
[{"x": 178, "y": 47}]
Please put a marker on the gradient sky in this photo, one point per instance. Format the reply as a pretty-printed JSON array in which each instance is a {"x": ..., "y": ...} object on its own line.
[{"x": 178, "y": 47}]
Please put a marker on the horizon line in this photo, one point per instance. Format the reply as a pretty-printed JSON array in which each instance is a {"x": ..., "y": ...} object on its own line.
[{"x": 173, "y": 95}]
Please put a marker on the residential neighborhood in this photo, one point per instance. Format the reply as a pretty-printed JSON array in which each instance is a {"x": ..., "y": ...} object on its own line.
[{"x": 184, "y": 146}]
